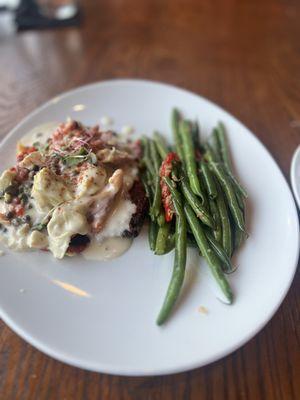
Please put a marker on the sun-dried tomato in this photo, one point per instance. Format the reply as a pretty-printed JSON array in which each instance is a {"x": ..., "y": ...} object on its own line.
[{"x": 165, "y": 171}]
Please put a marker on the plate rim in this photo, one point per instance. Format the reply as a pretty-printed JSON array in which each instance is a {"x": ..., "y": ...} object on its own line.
[
  {"x": 110, "y": 369},
  {"x": 296, "y": 190}
]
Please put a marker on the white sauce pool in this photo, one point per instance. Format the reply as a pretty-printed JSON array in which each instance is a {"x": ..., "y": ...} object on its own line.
[{"x": 110, "y": 248}]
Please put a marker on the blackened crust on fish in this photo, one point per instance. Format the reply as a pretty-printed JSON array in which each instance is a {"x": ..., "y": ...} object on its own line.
[
  {"x": 139, "y": 198},
  {"x": 78, "y": 243}
]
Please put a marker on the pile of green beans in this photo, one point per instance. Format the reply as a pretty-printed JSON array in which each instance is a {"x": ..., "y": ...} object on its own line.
[{"x": 208, "y": 203}]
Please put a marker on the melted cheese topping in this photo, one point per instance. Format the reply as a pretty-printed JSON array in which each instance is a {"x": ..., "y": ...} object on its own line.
[{"x": 66, "y": 202}]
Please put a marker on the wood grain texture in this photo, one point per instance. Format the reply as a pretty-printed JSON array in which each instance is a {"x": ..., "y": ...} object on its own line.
[{"x": 244, "y": 55}]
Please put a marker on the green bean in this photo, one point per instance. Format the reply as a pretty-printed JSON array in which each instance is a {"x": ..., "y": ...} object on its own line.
[
  {"x": 225, "y": 223},
  {"x": 161, "y": 145},
  {"x": 170, "y": 243},
  {"x": 225, "y": 154},
  {"x": 179, "y": 260},
  {"x": 209, "y": 154},
  {"x": 228, "y": 189},
  {"x": 147, "y": 188},
  {"x": 216, "y": 144},
  {"x": 189, "y": 157},
  {"x": 195, "y": 135},
  {"x": 239, "y": 188},
  {"x": 239, "y": 238},
  {"x": 220, "y": 252},
  {"x": 217, "y": 232},
  {"x": 208, "y": 254},
  {"x": 205, "y": 197},
  {"x": 161, "y": 218},
  {"x": 162, "y": 238},
  {"x": 175, "y": 120},
  {"x": 194, "y": 202},
  {"x": 175, "y": 194},
  {"x": 146, "y": 155},
  {"x": 155, "y": 157},
  {"x": 224, "y": 146},
  {"x": 240, "y": 200},
  {"x": 152, "y": 234},
  {"x": 156, "y": 205},
  {"x": 209, "y": 180}
]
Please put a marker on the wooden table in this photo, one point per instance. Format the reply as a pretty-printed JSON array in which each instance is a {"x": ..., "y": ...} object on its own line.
[{"x": 244, "y": 55}]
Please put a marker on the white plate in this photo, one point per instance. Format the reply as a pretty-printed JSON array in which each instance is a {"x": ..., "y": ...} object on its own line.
[
  {"x": 295, "y": 175},
  {"x": 112, "y": 329}
]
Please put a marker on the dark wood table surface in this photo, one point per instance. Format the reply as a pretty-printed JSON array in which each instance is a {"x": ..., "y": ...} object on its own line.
[{"x": 244, "y": 55}]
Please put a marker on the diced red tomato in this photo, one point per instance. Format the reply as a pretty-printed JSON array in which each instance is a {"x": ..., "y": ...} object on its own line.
[
  {"x": 19, "y": 211},
  {"x": 165, "y": 171},
  {"x": 25, "y": 152}
]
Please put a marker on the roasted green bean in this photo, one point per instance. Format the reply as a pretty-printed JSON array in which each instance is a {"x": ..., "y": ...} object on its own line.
[
  {"x": 175, "y": 120},
  {"x": 156, "y": 205},
  {"x": 224, "y": 146},
  {"x": 217, "y": 231},
  {"x": 216, "y": 144},
  {"x": 152, "y": 234},
  {"x": 211, "y": 258},
  {"x": 225, "y": 223},
  {"x": 194, "y": 202},
  {"x": 162, "y": 239},
  {"x": 209, "y": 180},
  {"x": 179, "y": 259},
  {"x": 225, "y": 155},
  {"x": 189, "y": 157},
  {"x": 228, "y": 189},
  {"x": 220, "y": 252},
  {"x": 161, "y": 145},
  {"x": 146, "y": 155},
  {"x": 155, "y": 157}
]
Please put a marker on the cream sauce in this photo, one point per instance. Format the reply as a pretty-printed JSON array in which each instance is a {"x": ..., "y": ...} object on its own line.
[
  {"x": 39, "y": 134},
  {"x": 110, "y": 248}
]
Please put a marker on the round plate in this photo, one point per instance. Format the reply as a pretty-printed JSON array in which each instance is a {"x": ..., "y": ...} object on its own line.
[
  {"x": 109, "y": 325},
  {"x": 295, "y": 175}
]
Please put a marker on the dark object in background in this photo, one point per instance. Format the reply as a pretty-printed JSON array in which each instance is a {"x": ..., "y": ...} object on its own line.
[{"x": 29, "y": 15}]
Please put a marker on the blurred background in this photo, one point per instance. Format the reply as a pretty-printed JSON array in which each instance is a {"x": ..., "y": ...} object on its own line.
[
  {"x": 207, "y": 47},
  {"x": 242, "y": 54}
]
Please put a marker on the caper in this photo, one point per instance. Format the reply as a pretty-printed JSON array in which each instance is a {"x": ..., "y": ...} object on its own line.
[
  {"x": 15, "y": 221},
  {"x": 12, "y": 189},
  {"x": 9, "y": 215},
  {"x": 26, "y": 219},
  {"x": 24, "y": 198}
]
